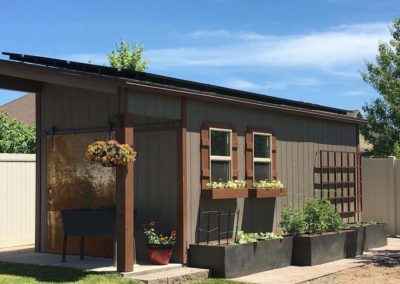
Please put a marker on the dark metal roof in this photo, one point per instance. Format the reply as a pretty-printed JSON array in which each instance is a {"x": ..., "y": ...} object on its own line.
[{"x": 168, "y": 81}]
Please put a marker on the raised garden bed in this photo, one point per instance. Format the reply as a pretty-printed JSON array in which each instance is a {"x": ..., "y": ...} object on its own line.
[
  {"x": 224, "y": 193},
  {"x": 354, "y": 241},
  {"x": 375, "y": 236},
  {"x": 319, "y": 248},
  {"x": 267, "y": 192},
  {"x": 241, "y": 259}
]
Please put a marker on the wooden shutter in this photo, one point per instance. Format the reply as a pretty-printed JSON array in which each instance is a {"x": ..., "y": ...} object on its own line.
[
  {"x": 205, "y": 155},
  {"x": 249, "y": 158},
  {"x": 234, "y": 158},
  {"x": 274, "y": 157}
]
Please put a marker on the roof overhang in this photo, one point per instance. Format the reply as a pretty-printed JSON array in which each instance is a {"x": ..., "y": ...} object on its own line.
[{"x": 13, "y": 73}]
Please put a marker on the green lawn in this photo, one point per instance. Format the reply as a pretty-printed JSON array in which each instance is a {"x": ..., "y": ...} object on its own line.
[{"x": 24, "y": 273}]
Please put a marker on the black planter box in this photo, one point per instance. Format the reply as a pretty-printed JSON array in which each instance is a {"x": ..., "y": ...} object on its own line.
[
  {"x": 355, "y": 241},
  {"x": 375, "y": 236},
  {"x": 238, "y": 260},
  {"x": 319, "y": 248}
]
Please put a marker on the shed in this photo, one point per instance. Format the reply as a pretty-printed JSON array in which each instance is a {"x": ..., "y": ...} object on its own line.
[{"x": 187, "y": 135}]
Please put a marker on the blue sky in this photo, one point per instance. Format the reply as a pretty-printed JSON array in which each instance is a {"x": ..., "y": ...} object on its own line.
[{"x": 308, "y": 50}]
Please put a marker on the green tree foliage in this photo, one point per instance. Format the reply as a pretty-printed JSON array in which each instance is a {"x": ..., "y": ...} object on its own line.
[
  {"x": 128, "y": 57},
  {"x": 383, "y": 114},
  {"x": 16, "y": 137}
]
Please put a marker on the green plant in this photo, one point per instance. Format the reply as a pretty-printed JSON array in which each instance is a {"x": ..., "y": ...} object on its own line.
[
  {"x": 246, "y": 238},
  {"x": 128, "y": 57},
  {"x": 320, "y": 216},
  {"x": 230, "y": 184},
  {"x": 110, "y": 153},
  {"x": 154, "y": 237},
  {"x": 292, "y": 221},
  {"x": 16, "y": 137},
  {"x": 268, "y": 184}
]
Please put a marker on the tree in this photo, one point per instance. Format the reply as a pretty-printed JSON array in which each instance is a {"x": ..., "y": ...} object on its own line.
[
  {"x": 16, "y": 137},
  {"x": 383, "y": 114},
  {"x": 128, "y": 57}
]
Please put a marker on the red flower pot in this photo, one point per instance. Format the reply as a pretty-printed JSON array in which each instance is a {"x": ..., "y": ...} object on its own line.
[{"x": 159, "y": 255}]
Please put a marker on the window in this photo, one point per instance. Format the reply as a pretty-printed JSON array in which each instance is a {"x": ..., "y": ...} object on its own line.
[
  {"x": 262, "y": 152},
  {"x": 220, "y": 154}
]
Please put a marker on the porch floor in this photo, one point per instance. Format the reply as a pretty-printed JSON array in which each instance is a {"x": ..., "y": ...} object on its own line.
[{"x": 27, "y": 255}]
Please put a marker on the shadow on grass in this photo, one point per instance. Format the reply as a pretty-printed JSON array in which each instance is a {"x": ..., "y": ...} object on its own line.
[
  {"x": 54, "y": 274},
  {"x": 385, "y": 258}
]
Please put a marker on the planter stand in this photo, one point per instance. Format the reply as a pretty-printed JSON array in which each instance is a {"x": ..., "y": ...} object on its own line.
[
  {"x": 224, "y": 193},
  {"x": 238, "y": 260}
]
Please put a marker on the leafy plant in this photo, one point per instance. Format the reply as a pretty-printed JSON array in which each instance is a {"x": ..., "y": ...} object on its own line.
[
  {"x": 268, "y": 184},
  {"x": 292, "y": 221},
  {"x": 383, "y": 114},
  {"x": 231, "y": 184},
  {"x": 320, "y": 216},
  {"x": 128, "y": 57},
  {"x": 246, "y": 238},
  {"x": 16, "y": 137},
  {"x": 156, "y": 238},
  {"x": 110, "y": 153}
]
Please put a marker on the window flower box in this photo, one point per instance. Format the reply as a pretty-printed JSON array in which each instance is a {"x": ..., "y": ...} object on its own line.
[
  {"x": 225, "y": 190},
  {"x": 267, "y": 192}
]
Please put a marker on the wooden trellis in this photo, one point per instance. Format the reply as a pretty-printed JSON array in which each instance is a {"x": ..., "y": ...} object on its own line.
[{"x": 337, "y": 178}]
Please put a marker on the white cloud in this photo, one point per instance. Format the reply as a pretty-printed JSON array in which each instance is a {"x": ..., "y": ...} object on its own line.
[
  {"x": 338, "y": 46},
  {"x": 242, "y": 84}
]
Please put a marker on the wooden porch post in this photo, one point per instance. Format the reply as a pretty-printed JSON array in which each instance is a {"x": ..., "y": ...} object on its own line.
[
  {"x": 182, "y": 192},
  {"x": 125, "y": 204}
]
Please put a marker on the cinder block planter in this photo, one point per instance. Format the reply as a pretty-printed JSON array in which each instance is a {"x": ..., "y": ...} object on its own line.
[
  {"x": 238, "y": 260},
  {"x": 319, "y": 248},
  {"x": 375, "y": 236}
]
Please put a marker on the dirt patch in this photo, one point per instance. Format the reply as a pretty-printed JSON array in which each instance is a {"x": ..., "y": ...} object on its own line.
[{"x": 370, "y": 274}]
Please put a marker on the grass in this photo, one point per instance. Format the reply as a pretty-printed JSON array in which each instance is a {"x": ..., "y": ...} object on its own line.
[{"x": 29, "y": 274}]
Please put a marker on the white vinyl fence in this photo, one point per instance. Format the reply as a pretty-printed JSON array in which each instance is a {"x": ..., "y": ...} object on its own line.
[
  {"x": 381, "y": 192},
  {"x": 17, "y": 200}
]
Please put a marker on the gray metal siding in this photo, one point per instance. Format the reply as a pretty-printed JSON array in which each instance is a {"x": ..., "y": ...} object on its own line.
[{"x": 298, "y": 139}]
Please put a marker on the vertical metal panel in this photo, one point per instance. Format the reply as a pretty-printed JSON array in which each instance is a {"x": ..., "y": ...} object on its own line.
[
  {"x": 298, "y": 139},
  {"x": 17, "y": 202}
]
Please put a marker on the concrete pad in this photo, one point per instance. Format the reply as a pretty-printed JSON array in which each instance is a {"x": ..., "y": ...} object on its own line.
[
  {"x": 179, "y": 275},
  {"x": 96, "y": 264},
  {"x": 300, "y": 274}
]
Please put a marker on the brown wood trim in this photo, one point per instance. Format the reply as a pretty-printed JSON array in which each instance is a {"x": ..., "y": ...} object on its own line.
[
  {"x": 336, "y": 200},
  {"x": 274, "y": 145},
  {"x": 267, "y": 193},
  {"x": 38, "y": 193},
  {"x": 249, "y": 159},
  {"x": 125, "y": 207},
  {"x": 222, "y": 193},
  {"x": 183, "y": 189},
  {"x": 347, "y": 214},
  {"x": 235, "y": 162},
  {"x": 331, "y": 185}
]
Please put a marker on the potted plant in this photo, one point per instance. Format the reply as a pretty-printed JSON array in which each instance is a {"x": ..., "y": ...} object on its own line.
[
  {"x": 251, "y": 253},
  {"x": 225, "y": 190},
  {"x": 267, "y": 189},
  {"x": 159, "y": 246},
  {"x": 318, "y": 233},
  {"x": 110, "y": 153}
]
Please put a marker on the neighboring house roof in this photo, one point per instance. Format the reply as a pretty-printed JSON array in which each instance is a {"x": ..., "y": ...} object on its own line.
[
  {"x": 164, "y": 80},
  {"x": 21, "y": 109}
]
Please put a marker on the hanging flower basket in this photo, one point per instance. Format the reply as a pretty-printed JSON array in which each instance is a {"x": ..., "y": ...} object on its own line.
[{"x": 110, "y": 153}]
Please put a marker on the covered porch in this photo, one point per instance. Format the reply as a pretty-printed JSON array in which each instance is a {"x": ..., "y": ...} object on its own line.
[{"x": 73, "y": 108}]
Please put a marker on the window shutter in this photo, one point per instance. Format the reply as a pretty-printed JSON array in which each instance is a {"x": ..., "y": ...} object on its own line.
[
  {"x": 249, "y": 158},
  {"x": 274, "y": 157},
  {"x": 205, "y": 155},
  {"x": 235, "y": 170}
]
